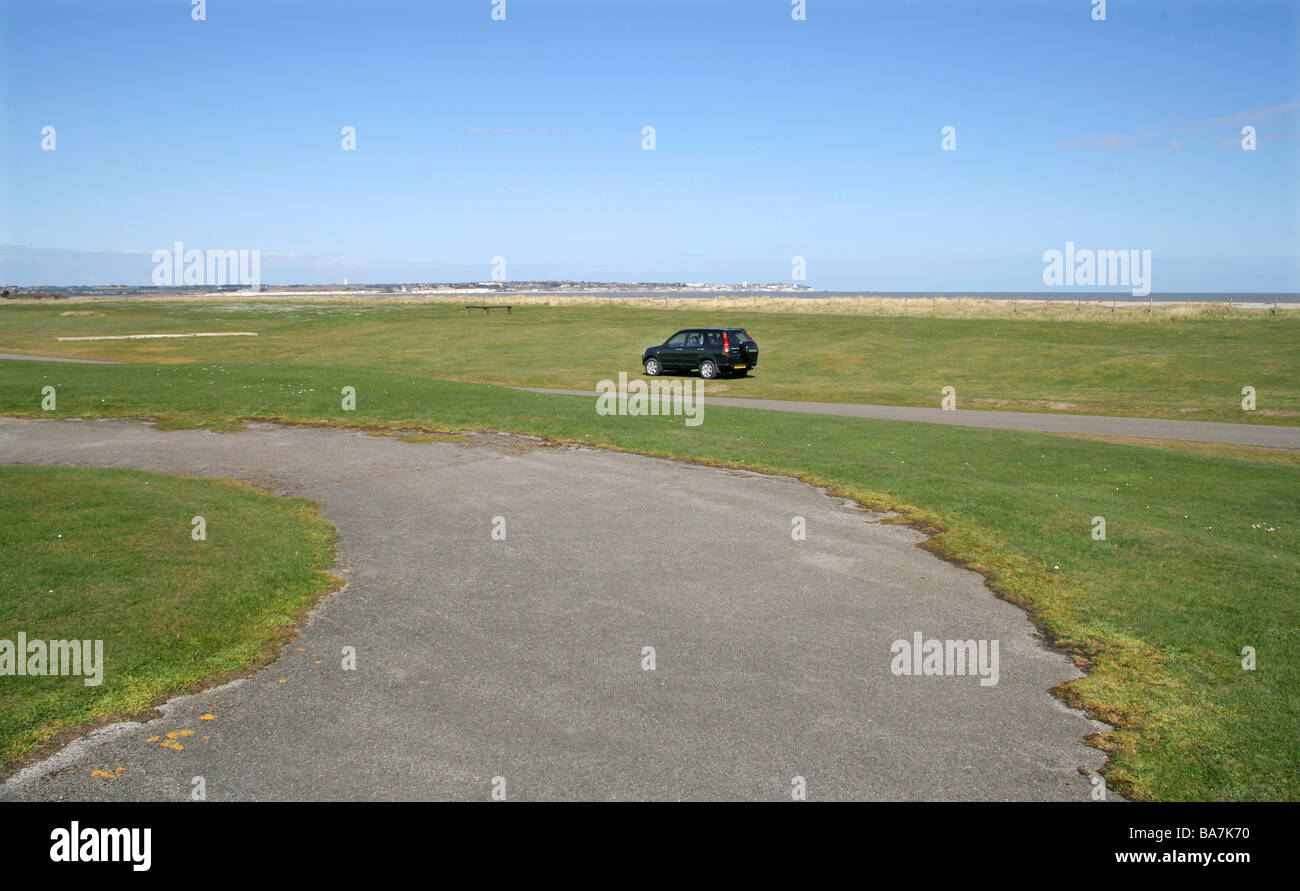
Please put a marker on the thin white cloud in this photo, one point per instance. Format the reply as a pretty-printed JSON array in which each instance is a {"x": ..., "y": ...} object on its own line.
[
  {"x": 1251, "y": 117},
  {"x": 1152, "y": 136},
  {"x": 1233, "y": 140}
]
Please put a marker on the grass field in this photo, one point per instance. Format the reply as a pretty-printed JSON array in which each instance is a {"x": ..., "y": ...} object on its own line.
[
  {"x": 1175, "y": 366},
  {"x": 1201, "y": 554},
  {"x": 108, "y": 555}
]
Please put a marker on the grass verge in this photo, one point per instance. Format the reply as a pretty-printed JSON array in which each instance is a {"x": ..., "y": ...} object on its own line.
[{"x": 108, "y": 555}]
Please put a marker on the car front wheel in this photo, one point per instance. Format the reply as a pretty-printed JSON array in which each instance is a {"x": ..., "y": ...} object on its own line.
[
  {"x": 652, "y": 367},
  {"x": 708, "y": 369}
]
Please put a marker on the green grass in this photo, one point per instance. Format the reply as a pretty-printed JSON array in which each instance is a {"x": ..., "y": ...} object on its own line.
[
  {"x": 1189, "y": 575},
  {"x": 108, "y": 555},
  {"x": 1190, "y": 368}
]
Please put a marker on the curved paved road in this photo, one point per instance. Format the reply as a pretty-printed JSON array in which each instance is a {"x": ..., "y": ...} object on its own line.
[
  {"x": 522, "y": 658},
  {"x": 1267, "y": 435}
]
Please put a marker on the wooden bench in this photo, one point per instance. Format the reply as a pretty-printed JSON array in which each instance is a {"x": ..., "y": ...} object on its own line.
[{"x": 487, "y": 310}]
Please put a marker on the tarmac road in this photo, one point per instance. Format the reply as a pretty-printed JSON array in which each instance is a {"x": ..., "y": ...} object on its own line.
[
  {"x": 1268, "y": 435},
  {"x": 21, "y": 358},
  {"x": 523, "y": 658}
]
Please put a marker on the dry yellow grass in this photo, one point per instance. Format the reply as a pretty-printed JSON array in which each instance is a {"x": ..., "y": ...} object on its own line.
[{"x": 937, "y": 307}]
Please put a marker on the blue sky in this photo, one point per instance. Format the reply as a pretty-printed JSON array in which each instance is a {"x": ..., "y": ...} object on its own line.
[{"x": 774, "y": 139}]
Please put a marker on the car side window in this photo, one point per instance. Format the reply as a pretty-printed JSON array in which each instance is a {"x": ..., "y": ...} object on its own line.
[
  {"x": 694, "y": 339},
  {"x": 712, "y": 338},
  {"x": 677, "y": 339}
]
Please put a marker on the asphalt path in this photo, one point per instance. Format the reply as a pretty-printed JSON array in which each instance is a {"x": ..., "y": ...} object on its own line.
[
  {"x": 1270, "y": 436},
  {"x": 524, "y": 659},
  {"x": 22, "y": 358}
]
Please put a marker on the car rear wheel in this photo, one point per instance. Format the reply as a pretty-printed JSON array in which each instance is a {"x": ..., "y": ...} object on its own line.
[
  {"x": 708, "y": 369},
  {"x": 652, "y": 367}
]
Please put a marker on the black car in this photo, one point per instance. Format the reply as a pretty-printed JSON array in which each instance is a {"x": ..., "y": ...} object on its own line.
[{"x": 710, "y": 351}]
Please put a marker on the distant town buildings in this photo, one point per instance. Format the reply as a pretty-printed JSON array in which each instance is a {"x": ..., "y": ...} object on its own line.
[{"x": 613, "y": 289}]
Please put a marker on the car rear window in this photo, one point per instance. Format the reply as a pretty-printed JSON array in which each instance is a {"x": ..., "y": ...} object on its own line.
[{"x": 741, "y": 335}]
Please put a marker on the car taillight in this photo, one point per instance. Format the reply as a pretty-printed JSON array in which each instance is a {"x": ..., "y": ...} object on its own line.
[{"x": 726, "y": 343}]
